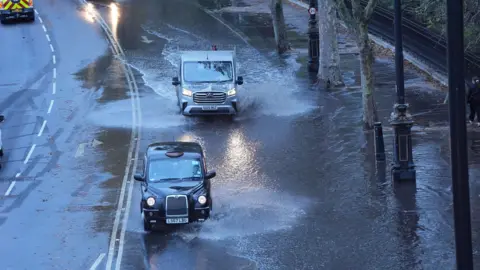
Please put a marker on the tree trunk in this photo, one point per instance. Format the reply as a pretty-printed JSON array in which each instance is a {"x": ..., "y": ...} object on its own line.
[
  {"x": 279, "y": 28},
  {"x": 367, "y": 80},
  {"x": 329, "y": 71}
]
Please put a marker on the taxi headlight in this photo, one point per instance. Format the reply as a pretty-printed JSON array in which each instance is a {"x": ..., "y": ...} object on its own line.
[
  {"x": 202, "y": 199},
  {"x": 151, "y": 201},
  {"x": 186, "y": 92},
  {"x": 232, "y": 92}
]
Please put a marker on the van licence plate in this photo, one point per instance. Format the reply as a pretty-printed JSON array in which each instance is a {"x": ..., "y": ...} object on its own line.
[
  {"x": 17, "y": 10},
  {"x": 177, "y": 220},
  {"x": 209, "y": 108}
]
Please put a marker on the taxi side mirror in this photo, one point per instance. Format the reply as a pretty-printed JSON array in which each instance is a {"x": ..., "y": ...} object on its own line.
[
  {"x": 239, "y": 80},
  {"x": 139, "y": 177},
  {"x": 175, "y": 81},
  {"x": 211, "y": 174}
]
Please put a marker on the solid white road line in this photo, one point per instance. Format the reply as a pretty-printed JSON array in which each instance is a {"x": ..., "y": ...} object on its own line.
[
  {"x": 50, "y": 107},
  {"x": 97, "y": 261},
  {"x": 42, "y": 128},
  {"x": 10, "y": 188},
  {"x": 29, "y": 155}
]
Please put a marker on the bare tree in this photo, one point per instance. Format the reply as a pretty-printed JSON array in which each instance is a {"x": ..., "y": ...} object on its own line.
[
  {"x": 357, "y": 19},
  {"x": 329, "y": 71},
  {"x": 279, "y": 27}
]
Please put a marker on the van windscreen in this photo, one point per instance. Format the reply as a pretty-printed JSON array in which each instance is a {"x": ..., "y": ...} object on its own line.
[{"x": 207, "y": 71}]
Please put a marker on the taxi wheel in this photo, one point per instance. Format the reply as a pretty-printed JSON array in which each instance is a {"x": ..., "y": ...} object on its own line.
[{"x": 147, "y": 226}]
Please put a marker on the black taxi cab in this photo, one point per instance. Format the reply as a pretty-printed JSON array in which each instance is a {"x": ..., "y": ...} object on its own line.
[{"x": 175, "y": 185}]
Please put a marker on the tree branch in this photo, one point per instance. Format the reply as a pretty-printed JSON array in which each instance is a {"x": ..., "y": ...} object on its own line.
[
  {"x": 344, "y": 12},
  {"x": 369, "y": 9},
  {"x": 357, "y": 10}
]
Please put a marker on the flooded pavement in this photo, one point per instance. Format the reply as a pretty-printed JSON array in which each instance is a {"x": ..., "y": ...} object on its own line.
[{"x": 296, "y": 185}]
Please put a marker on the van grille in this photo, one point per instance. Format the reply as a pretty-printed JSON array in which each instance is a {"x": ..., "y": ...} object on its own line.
[{"x": 209, "y": 97}]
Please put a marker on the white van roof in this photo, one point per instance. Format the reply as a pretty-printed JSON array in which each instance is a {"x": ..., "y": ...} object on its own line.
[{"x": 207, "y": 55}]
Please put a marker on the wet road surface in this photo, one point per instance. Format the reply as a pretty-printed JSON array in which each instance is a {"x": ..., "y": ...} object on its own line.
[
  {"x": 296, "y": 186},
  {"x": 53, "y": 211}
]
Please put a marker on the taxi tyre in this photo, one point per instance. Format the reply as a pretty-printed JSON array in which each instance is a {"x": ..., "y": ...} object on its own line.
[{"x": 146, "y": 226}]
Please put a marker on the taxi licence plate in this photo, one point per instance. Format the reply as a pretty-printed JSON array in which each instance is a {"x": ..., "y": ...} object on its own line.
[
  {"x": 177, "y": 220},
  {"x": 209, "y": 108}
]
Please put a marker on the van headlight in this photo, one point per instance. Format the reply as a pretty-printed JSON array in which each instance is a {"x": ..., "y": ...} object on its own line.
[
  {"x": 232, "y": 92},
  {"x": 186, "y": 92}
]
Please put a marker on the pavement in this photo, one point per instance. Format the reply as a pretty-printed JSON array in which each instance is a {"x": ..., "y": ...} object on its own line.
[{"x": 296, "y": 186}]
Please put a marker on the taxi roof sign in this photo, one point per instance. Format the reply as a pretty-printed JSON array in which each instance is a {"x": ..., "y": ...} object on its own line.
[{"x": 174, "y": 154}]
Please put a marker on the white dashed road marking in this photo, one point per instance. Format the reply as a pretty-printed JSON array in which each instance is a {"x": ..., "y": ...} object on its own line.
[
  {"x": 42, "y": 128},
  {"x": 54, "y": 89},
  {"x": 50, "y": 107},
  {"x": 97, "y": 261},
  {"x": 29, "y": 154},
  {"x": 10, "y": 188}
]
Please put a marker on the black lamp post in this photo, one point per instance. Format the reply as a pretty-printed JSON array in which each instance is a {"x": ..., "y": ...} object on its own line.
[
  {"x": 458, "y": 135},
  {"x": 403, "y": 168},
  {"x": 313, "y": 37}
]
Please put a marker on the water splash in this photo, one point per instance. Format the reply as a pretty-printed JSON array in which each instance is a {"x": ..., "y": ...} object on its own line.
[
  {"x": 268, "y": 90},
  {"x": 118, "y": 114},
  {"x": 236, "y": 217}
]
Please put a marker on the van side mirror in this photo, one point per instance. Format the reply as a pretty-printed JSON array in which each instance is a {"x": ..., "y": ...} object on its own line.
[
  {"x": 211, "y": 174},
  {"x": 175, "y": 81},
  {"x": 139, "y": 177},
  {"x": 239, "y": 80}
]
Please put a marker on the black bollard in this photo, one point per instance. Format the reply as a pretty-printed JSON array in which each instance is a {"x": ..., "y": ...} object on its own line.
[{"x": 379, "y": 144}]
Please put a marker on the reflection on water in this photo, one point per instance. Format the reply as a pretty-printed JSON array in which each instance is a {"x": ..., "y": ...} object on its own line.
[
  {"x": 240, "y": 153},
  {"x": 114, "y": 17},
  {"x": 88, "y": 13},
  {"x": 408, "y": 218}
]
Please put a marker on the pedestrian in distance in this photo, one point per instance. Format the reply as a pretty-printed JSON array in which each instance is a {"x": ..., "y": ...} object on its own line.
[{"x": 473, "y": 99}]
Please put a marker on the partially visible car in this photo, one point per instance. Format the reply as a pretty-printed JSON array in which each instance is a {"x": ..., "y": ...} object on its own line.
[{"x": 175, "y": 185}]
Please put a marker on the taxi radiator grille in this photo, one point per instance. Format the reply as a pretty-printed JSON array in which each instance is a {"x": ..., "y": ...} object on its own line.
[
  {"x": 176, "y": 205},
  {"x": 209, "y": 97}
]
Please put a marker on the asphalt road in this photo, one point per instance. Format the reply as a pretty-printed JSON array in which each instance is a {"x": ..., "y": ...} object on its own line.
[
  {"x": 54, "y": 189},
  {"x": 295, "y": 189}
]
